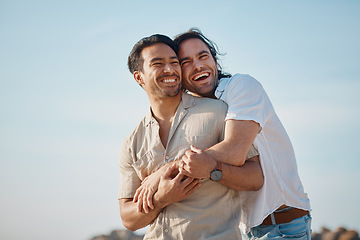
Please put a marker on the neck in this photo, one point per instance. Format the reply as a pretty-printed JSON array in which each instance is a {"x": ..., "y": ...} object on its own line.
[
  {"x": 212, "y": 95},
  {"x": 164, "y": 109}
]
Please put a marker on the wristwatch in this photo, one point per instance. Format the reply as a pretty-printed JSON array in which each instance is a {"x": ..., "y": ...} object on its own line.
[{"x": 216, "y": 174}]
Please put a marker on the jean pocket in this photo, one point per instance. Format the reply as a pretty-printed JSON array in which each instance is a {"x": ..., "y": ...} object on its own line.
[{"x": 296, "y": 229}]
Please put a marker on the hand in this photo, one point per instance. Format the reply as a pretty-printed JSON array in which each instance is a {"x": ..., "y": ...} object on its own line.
[
  {"x": 175, "y": 189},
  {"x": 197, "y": 163},
  {"x": 144, "y": 194}
]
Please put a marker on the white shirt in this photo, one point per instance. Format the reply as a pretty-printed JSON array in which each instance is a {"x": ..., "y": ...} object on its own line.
[{"x": 247, "y": 100}]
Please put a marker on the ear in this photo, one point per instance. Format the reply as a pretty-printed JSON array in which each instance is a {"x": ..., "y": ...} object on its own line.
[{"x": 138, "y": 77}]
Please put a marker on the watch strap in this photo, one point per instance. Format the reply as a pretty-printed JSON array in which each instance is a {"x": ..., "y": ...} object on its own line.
[{"x": 219, "y": 166}]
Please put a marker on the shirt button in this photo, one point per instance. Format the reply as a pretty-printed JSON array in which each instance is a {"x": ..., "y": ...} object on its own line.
[{"x": 166, "y": 230}]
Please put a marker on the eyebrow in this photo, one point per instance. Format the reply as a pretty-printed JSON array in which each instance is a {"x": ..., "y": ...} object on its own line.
[
  {"x": 161, "y": 59},
  {"x": 204, "y": 51},
  {"x": 201, "y": 52},
  {"x": 156, "y": 59}
]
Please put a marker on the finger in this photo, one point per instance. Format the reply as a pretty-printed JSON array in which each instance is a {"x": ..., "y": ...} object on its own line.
[
  {"x": 169, "y": 171},
  {"x": 184, "y": 160},
  {"x": 145, "y": 205},
  {"x": 188, "y": 153},
  {"x": 149, "y": 199},
  {"x": 192, "y": 188},
  {"x": 187, "y": 181},
  {"x": 182, "y": 165},
  {"x": 195, "y": 149},
  {"x": 178, "y": 177},
  {"x": 137, "y": 194},
  {"x": 145, "y": 179},
  {"x": 139, "y": 204},
  {"x": 193, "y": 182},
  {"x": 184, "y": 172}
]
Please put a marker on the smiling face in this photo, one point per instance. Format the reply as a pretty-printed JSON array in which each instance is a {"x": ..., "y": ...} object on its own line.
[
  {"x": 161, "y": 74},
  {"x": 199, "y": 69}
]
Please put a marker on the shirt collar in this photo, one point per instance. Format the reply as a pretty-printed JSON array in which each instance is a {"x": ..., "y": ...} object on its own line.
[
  {"x": 149, "y": 118},
  {"x": 221, "y": 87},
  {"x": 187, "y": 101}
]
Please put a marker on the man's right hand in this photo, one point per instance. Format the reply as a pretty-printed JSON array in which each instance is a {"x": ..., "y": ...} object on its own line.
[
  {"x": 144, "y": 194},
  {"x": 175, "y": 189}
]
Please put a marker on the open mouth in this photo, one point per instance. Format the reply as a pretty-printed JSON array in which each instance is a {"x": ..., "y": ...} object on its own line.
[{"x": 201, "y": 76}]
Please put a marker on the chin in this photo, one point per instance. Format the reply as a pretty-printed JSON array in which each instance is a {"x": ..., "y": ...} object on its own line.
[{"x": 206, "y": 92}]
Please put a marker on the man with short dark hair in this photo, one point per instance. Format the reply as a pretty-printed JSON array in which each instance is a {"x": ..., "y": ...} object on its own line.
[{"x": 183, "y": 207}]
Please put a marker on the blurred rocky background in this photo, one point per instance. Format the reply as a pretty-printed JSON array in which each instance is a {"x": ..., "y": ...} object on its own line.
[
  {"x": 339, "y": 234},
  {"x": 119, "y": 235},
  {"x": 325, "y": 234}
]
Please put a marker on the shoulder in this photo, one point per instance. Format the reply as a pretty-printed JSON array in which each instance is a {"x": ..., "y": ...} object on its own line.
[
  {"x": 201, "y": 102},
  {"x": 238, "y": 85},
  {"x": 243, "y": 80},
  {"x": 138, "y": 132}
]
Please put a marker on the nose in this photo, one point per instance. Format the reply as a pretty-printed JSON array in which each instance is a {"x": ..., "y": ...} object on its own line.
[
  {"x": 168, "y": 68},
  {"x": 198, "y": 65}
]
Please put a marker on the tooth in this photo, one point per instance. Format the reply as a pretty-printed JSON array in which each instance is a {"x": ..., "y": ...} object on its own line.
[
  {"x": 169, "y": 80},
  {"x": 202, "y": 75}
]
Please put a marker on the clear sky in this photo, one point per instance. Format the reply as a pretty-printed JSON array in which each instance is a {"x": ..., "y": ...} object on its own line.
[{"x": 68, "y": 100}]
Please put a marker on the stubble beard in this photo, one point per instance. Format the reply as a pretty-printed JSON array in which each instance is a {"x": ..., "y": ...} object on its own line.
[
  {"x": 173, "y": 91},
  {"x": 212, "y": 85}
]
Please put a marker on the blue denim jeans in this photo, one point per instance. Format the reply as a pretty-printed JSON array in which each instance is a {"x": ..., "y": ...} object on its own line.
[{"x": 299, "y": 228}]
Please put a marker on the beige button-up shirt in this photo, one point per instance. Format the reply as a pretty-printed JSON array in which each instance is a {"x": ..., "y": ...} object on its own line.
[{"x": 212, "y": 211}]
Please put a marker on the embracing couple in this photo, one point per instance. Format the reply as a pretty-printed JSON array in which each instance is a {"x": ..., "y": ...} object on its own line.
[{"x": 211, "y": 159}]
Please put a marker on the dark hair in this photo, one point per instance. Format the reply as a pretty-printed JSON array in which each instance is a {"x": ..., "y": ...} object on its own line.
[
  {"x": 196, "y": 33},
  {"x": 135, "y": 61}
]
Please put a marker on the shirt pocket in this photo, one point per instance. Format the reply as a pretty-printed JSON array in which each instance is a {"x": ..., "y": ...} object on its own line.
[
  {"x": 200, "y": 141},
  {"x": 148, "y": 163}
]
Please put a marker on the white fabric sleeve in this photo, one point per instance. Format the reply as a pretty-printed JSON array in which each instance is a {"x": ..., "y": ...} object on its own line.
[
  {"x": 252, "y": 152},
  {"x": 247, "y": 100}
]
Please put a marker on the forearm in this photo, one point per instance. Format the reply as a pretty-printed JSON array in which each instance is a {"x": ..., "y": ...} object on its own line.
[
  {"x": 239, "y": 136},
  {"x": 229, "y": 152},
  {"x": 134, "y": 220},
  {"x": 248, "y": 177}
]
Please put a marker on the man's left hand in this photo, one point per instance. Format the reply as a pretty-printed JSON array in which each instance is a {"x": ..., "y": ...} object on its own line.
[{"x": 197, "y": 163}]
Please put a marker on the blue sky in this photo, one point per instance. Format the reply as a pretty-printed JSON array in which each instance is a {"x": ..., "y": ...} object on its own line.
[{"x": 68, "y": 100}]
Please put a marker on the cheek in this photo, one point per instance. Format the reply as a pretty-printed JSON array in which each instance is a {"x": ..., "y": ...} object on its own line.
[
  {"x": 185, "y": 72},
  {"x": 185, "y": 82}
]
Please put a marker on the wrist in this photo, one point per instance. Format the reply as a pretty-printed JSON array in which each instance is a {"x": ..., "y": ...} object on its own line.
[
  {"x": 159, "y": 203},
  {"x": 216, "y": 173},
  {"x": 212, "y": 165}
]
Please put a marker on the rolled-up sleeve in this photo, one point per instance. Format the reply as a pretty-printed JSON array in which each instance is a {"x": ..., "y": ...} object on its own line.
[
  {"x": 247, "y": 100},
  {"x": 129, "y": 180}
]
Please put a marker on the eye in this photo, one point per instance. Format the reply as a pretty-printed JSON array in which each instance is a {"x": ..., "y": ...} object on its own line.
[
  {"x": 204, "y": 56},
  {"x": 175, "y": 63},
  {"x": 183, "y": 63},
  {"x": 156, "y": 64}
]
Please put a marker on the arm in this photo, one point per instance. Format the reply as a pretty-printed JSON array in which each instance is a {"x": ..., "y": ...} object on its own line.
[
  {"x": 248, "y": 177},
  {"x": 247, "y": 100},
  {"x": 149, "y": 186},
  {"x": 239, "y": 136},
  {"x": 131, "y": 218},
  {"x": 170, "y": 190}
]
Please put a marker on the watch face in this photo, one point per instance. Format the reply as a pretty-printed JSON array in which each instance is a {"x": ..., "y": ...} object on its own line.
[{"x": 216, "y": 175}]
